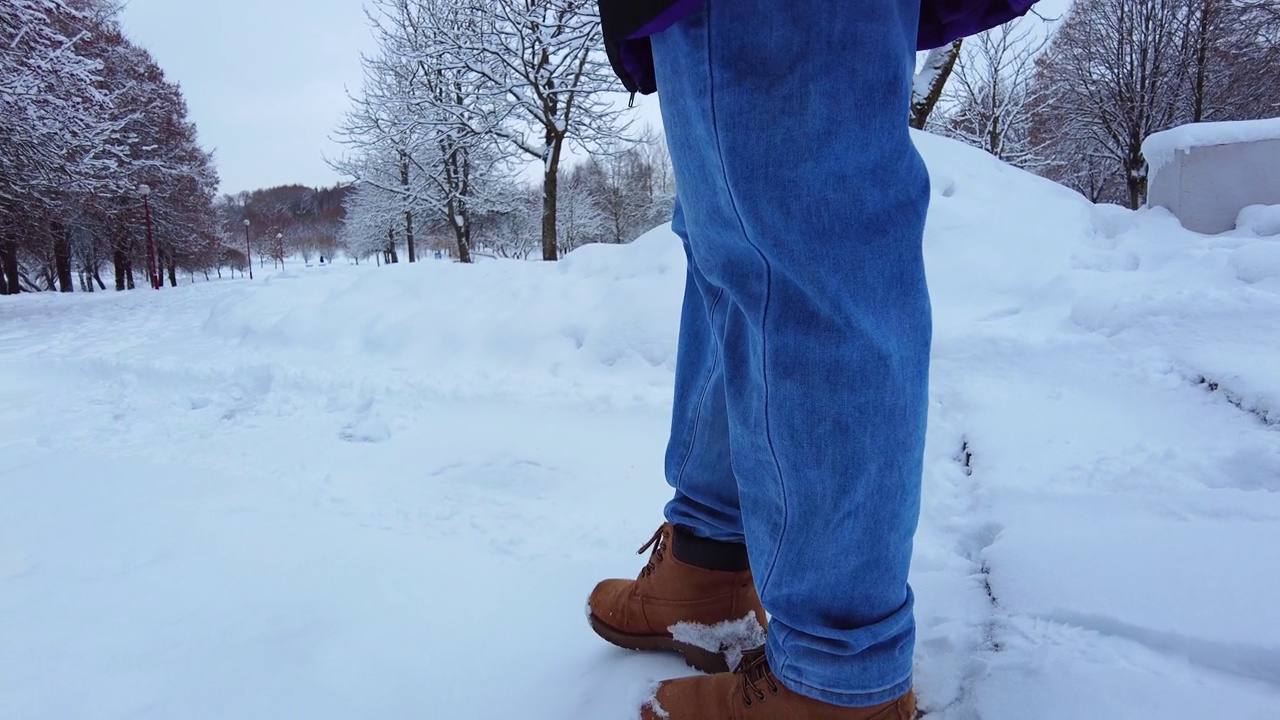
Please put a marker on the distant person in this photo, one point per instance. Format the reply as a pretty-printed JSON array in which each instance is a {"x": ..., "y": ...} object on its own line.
[
  {"x": 321, "y": 259},
  {"x": 801, "y": 384}
]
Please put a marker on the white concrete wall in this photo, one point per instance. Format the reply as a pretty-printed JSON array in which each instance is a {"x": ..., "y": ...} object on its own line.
[{"x": 1207, "y": 187}]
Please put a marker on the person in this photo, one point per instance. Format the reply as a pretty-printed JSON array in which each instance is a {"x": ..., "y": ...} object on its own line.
[{"x": 801, "y": 386}]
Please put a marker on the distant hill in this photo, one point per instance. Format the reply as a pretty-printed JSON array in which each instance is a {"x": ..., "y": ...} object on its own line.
[{"x": 306, "y": 219}]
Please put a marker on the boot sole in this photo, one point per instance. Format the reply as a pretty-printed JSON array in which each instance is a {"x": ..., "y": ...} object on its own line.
[{"x": 697, "y": 658}]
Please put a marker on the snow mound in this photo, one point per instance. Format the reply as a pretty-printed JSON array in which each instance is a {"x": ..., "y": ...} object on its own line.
[
  {"x": 501, "y": 327},
  {"x": 1259, "y": 220},
  {"x": 1257, "y": 262}
]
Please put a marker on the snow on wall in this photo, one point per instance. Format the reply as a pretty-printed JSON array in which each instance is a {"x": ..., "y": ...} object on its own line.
[{"x": 1159, "y": 149}]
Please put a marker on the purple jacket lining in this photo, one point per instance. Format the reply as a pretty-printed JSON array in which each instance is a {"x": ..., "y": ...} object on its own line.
[
  {"x": 941, "y": 22},
  {"x": 672, "y": 15}
]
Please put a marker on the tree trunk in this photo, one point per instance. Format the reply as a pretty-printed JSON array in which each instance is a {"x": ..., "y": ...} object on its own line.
[
  {"x": 1199, "y": 92},
  {"x": 62, "y": 258},
  {"x": 464, "y": 241},
  {"x": 4, "y": 277},
  {"x": 173, "y": 273},
  {"x": 97, "y": 276},
  {"x": 938, "y": 65},
  {"x": 128, "y": 274},
  {"x": 389, "y": 256},
  {"x": 118, "y": 259},
  {"x": 408, "y": 214},
  {"x": 9, "y": 266},
  {"x": 550, "y": 187},
  {"x": 460, "y": 221},
  {"x": 1136, "y": 180},
  {"x": 408, "y": 233}
]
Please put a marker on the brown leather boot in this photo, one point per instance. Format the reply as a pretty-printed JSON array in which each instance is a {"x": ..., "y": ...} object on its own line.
[
  {"x": 753, "y": 693},
  {"x": 709, "y": 616}
]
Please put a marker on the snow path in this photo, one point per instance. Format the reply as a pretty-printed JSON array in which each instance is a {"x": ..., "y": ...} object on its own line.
[{"x": 385, "y": 493}]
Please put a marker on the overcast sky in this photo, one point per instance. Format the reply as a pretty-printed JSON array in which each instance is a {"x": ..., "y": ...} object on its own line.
[{"x": 266, "y": 80}]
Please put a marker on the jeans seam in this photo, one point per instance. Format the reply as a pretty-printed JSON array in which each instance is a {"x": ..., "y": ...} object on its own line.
[
  {"x": 706, "y": 386},
  {"x": 768, "y": 297}
]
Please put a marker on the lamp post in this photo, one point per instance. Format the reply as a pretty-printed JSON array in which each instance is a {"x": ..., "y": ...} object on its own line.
[
  {"x": 248, "y": 253},
  {"x": 145, "y": 192},
  {"x": 280, "y": 248}
]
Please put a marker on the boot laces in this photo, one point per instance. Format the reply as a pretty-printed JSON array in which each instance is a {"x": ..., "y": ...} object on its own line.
[
  {"x": 754, "y": 669},
  {"x": 659, "y": 543}
]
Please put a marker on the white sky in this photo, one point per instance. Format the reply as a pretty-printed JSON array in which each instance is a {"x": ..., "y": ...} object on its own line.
[{"x": 265, "y": 80}]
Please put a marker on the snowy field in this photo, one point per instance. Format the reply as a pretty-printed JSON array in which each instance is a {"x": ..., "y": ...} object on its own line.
[{"x": 385, "y": 492}]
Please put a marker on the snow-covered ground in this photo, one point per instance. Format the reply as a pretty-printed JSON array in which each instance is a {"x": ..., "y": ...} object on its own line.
[{"x": 385, "y": 492}]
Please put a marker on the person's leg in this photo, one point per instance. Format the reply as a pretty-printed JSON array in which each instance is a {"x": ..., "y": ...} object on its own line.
[
  {"x": 696, "y": 595},
  {"x": 805, "y": 203},
  {"x": 697, "y": 463}
]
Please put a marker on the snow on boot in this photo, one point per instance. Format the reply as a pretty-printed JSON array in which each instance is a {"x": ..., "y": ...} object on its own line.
[
  {"x": 695, "y": 597},
  {"x": 753, "y": 693}
]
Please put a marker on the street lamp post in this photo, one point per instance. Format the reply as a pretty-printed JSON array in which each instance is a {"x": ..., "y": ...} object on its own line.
[
  {"x": 145, "y": 192},
  {"x": 248, "y": 252}
]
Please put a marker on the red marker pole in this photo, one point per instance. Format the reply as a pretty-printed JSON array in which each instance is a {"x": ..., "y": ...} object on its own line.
[{"x": 152, "y": 265}]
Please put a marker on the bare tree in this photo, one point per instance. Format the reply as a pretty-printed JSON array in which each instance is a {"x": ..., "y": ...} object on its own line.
[
  {"x": 992, "y": 94},
  {"x": 1113, "y": 75},
  {"x": 424, "y": 127},
  {"x": 580, "y": 220},
  {"x": 630, "y": 188},
  {"x": 930, "y": 80},
  {"x": 540, "y": 67}
]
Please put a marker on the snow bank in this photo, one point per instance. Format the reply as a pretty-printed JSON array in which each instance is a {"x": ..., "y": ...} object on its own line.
[
  {"x": 1260, "y": 220},
  {"x": 1160, "y": 148},
  {"x": 602, "y": 322}
]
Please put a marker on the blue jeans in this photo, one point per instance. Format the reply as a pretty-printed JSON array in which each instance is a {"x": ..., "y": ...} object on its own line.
[{"x": 802, "y": 379}]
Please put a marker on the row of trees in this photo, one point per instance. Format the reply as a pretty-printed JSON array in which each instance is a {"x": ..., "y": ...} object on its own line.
[
  {"x": 459, "y": 98},
  {"x": 1075, "y": 104},
  {"x": 610, "y": 198},
  {"x": 87, "y": 119}
]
